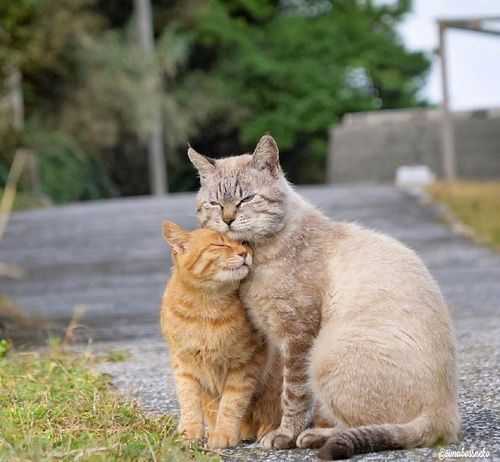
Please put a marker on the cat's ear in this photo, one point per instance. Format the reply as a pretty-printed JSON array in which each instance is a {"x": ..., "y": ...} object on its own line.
[
  {"x": 205, "y": 165},
  {"x": 266, "y": 155},
  {"x": 176, "y": 236}
]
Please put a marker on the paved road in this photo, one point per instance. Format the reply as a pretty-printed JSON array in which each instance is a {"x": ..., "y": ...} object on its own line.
[{"x": 110, "y": 257}]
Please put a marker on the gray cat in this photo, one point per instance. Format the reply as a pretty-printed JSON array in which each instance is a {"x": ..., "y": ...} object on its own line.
[{"x": 364, "y": 331}]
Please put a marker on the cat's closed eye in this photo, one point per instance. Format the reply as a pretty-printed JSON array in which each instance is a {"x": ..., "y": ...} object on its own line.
[{"x": 247, "y": 199}]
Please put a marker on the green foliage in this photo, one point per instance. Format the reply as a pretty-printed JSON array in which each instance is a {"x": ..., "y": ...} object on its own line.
[
  {"x": 15, "y": 35},
  {"x": 40, "y": 35},
  {"x": 39, "y": 38},
  {"x": 298, "y": 70},
  {"x": 126, "y": 88},
  {"x": 66, "y": 173},
  {"x": 5, "y": 347},
  {"x": 4, "y": 172},
  {"x": 224, "y": 73},
  {"x": 107, "y": 91}
]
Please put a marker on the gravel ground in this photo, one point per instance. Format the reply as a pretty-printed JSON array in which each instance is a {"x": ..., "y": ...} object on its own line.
[
  {"x": 147, "y": 377},
  {"x": 110, "y": 258}
]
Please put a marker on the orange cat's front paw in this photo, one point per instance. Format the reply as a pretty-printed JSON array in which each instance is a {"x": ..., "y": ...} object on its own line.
[
  {"x": 191, "y": 431},
  {"x": 220, "y": 440}
]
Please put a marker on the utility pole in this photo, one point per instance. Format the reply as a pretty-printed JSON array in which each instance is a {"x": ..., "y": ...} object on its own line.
[
  {"x": 482, "y": 25},
  {"x": 157, "y": 165},
  {"x": 15, "y": 94},
  {"x": 447, "y": 132}
]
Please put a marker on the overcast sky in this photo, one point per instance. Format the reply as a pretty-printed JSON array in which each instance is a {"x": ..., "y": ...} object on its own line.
[{"x": 474, "y": 59}]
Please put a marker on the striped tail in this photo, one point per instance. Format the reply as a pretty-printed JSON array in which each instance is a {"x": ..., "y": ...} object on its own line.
[{"x": 372, "y": 438}]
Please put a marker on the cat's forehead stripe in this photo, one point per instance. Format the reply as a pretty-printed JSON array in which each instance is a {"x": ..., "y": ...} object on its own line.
[{"x": 228, "y": 188}]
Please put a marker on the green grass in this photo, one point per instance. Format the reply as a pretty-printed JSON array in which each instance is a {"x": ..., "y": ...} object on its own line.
[
  {"x": 476, "y": 204},
  {"x": 54, "y": 407}
]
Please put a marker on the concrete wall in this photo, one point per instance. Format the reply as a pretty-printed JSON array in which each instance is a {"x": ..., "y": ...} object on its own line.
[{"x": 370, "y": 146}]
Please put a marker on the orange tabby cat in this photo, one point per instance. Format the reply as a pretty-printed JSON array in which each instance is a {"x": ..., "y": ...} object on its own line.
[{"x": 226, "y": 375}]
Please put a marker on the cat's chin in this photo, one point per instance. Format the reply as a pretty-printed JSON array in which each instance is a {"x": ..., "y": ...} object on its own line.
[{"x": 232, "y": 275}]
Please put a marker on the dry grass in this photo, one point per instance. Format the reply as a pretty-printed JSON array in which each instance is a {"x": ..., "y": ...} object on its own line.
[
  {"x": 475, "y": 204},
  {"x": 19, "y": 328},
  {"x": 54, "y": 407}
]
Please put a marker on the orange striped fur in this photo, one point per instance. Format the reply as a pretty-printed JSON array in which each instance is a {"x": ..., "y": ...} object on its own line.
[{"x": 227, "y": 377}]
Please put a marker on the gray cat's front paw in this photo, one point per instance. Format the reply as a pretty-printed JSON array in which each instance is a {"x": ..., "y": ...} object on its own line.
[{"x": 278, "y": 439}]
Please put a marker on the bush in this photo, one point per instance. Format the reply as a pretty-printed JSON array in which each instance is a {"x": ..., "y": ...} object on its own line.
[{"x": 66, "y": 172}]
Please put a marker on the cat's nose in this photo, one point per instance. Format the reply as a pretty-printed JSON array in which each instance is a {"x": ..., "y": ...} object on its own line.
[
  {"x": 228, "y": 213},
  {"x": 242, "y": 253}
]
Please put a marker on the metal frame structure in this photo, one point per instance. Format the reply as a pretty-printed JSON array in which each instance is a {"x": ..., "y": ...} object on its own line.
[{"x": 477, "y": 24}]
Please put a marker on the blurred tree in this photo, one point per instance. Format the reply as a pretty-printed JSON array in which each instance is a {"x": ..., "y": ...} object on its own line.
[
  {"x": 112, "y": 109},
  {"x": 88, "y": 85},
  {"x": 38, "y": 39},
  {"x": 230, "y": 71},
  {"x": 297, "y": 66}
]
